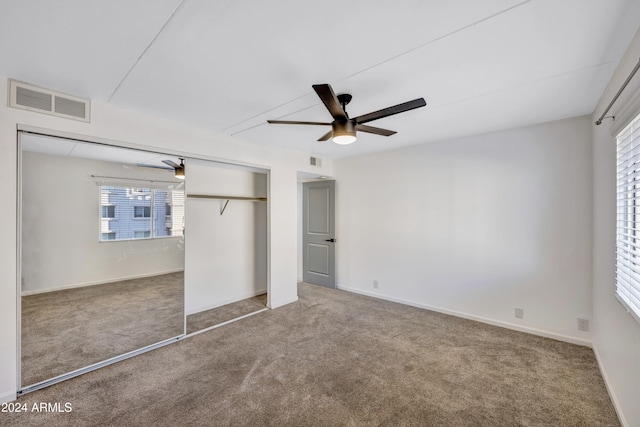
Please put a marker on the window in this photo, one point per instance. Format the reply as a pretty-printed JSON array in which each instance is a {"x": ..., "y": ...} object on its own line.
[
  {"x": 143, "y": 213},
  {"x": 108, "y": 211},
  {"x": 628, "y": 218}
]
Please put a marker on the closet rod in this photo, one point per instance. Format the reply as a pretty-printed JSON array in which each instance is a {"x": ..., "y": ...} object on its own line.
[
  {"x": 208, "y": 196},
  {"x": 615, "y": 98},
  {"x": 136, "y": 179}
]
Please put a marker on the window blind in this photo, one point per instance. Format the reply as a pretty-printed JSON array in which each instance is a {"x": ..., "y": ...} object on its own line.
[{"x": 628, "y": 218}]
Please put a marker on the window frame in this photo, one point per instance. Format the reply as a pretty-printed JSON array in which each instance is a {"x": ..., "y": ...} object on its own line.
[
  {"x": 115, "y": 211},
  {"x": 135, "y": 232},
  {"x": 144, "y": 210}
]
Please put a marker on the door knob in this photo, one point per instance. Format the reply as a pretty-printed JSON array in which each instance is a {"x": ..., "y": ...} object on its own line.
[{"x": 330, "y": 240}]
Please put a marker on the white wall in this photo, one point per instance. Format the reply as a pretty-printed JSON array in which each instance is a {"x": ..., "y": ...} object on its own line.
[
  {"x": 60, "y": 246},
  {"x": 475, "y": 226},
  {"x": 226, "y": 255},
  {"x": 160, "y": 134},
  {"x": 616, "y": 335}
]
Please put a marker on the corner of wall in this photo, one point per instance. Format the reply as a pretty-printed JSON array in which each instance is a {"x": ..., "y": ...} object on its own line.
[
  {"x": 608, "y": 384},
  {"x": 616, "y": 343}
]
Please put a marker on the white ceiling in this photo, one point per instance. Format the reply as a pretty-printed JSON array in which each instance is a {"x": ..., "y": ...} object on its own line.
[
  {"x": 70, "y": 148},
  {"x": 231, "y": 65}
]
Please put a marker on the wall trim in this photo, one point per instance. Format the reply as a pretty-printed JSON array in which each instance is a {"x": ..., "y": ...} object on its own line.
[
  {"x": 610, "y": 389},
  {"x": 100, "y": 282},
  {"x": 507, "y": 325},
  {"x": 230, "y": 301}
]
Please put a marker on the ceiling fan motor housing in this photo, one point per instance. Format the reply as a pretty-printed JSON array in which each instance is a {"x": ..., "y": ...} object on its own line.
[{"x": 344, "y": 132}]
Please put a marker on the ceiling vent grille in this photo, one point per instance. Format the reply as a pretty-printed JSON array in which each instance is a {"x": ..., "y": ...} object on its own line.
[{"x": 33, "y": 98}]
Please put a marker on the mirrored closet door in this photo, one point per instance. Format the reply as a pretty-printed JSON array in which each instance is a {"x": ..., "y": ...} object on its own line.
[{"x": 102, "y": 253}]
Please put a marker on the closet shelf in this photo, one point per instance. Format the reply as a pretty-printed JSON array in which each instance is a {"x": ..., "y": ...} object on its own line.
[
  {"x": 217, "y": 197},
  {"x": 227, "y": 198}
]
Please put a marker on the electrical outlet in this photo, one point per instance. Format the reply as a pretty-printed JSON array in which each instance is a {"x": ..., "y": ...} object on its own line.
[
  {"x": 519, "y": 313},
  {"x": 375, "y": 284},
  {"x": 583, "y": 325}
]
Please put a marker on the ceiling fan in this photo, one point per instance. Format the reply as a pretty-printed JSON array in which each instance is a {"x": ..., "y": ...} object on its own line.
[
  {"x": 343, "y": 128},
  {"x": 178, "y": 169}
]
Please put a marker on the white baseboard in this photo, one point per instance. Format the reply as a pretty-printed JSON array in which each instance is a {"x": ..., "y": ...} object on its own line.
[
  {"x": 225, "y": 302},
  {"x": 610, "y": 390},
  {"x": 99, "y": 282},
  {"x": 8, "y": 397},
  {"x": 507, "y": 325},
  {"x": 283, "y": 303}
]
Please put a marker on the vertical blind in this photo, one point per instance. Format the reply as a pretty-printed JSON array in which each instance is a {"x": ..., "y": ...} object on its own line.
[{"x": 628, "y": 218}]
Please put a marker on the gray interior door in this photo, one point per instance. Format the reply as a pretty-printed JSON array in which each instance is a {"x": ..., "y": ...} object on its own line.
[{"x": 318, "y": 225}]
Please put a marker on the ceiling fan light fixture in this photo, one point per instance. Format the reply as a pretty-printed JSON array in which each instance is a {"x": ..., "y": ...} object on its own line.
[
  {"x": 344, "y": 133},
  {"x": 180, "y": 170},
  {"x": 343, "y": 128},
  {"x": 344, "y": 139}
]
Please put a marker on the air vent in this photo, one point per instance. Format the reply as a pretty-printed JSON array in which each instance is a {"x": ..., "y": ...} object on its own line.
[
  {"x": 33, "y": 98},
  {"x": 315, "y": 161}
]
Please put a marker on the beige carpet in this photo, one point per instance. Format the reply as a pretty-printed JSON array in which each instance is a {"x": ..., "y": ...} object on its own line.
[
  {"x": 70, "y": 329},
  {"x": 340, "y": 359}
]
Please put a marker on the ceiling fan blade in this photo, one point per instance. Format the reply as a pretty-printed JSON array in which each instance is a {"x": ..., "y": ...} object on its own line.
[
  {"x": 171, "y": 163},
  {"x": 377, "y": 131},
  {"x": 390, "y": 111},
  {"x": 326, "y": 136},
  {"x": 142, "y": 165},
  {"x": 293, "y": 122},
  {"x": 330, "y": 100}
]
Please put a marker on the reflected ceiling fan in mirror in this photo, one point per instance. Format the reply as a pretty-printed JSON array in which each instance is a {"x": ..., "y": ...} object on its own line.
[
  {"x": 178, "y": 169},
  {"x": 343, "y": 128}
]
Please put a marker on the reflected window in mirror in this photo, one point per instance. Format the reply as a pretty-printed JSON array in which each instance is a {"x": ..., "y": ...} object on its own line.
[{"x": 143, "y": 213}]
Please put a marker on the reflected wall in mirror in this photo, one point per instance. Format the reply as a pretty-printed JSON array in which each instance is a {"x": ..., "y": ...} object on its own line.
[
  {"x": 102, "y": 248},
  {"x": 226, "y": 259}
]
